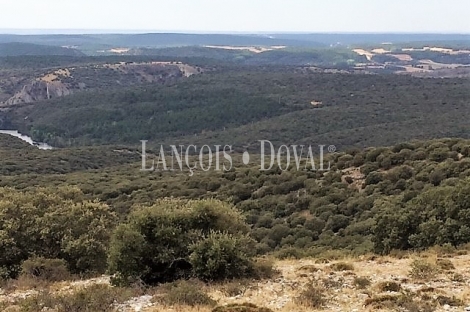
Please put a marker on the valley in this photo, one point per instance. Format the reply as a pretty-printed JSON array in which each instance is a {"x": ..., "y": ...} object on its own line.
[
  {"x": 66, "y": 81},
  {"x": 84, "y": 226}
]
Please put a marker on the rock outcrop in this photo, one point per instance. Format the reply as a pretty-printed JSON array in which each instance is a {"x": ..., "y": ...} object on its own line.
[
  {"x": 66, "y": 81},
  {"x": 39, "y": 91}
]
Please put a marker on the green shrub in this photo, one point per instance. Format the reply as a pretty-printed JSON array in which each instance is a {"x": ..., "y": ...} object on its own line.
[
  {"x": 221, "y": 256},
  {"x": 156, "y": 243},
  {"x": 51, "y": 270},
  {"x": 53, "y": 223},
  {"x": 373, "y": 178}
]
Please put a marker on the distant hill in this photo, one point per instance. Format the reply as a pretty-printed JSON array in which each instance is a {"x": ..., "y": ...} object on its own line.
[
  {"x": 89, "y": 42},
  {"x": 208, "y": 39},
  {"x": 178, "y": 39},
  {"x": 99, "y": 43},
  {"x": 22, "y": 49},
  {"x": 296, "y": 56},
  {"x": 353, "y": 39}
]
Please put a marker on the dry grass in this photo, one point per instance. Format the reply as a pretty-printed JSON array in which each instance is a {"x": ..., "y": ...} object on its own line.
[
  {"x": 313, "y": 296},
  {"x": 423, "y": 270},
  {"x": 388, "y": 286},
  {"x": 376, "y": 283},
  {"x": 362, "y": 282},
  {"x": 342, "y": 266}
]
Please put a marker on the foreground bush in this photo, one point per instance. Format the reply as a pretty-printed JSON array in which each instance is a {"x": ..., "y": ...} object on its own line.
[
  {"x": 50, "y": 270},
  {"x": 443, "y": 219},
  {"x": 54, "y": 223},
  {"x": 221, "y": 256},
  {"x": 178, "y": 239}
]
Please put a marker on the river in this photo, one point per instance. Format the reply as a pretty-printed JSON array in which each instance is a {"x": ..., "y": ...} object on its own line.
[{"x": 42, "y": 146}]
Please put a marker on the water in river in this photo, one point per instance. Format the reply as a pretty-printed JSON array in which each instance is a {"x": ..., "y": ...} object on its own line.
[{"x": 43, "y": 146}]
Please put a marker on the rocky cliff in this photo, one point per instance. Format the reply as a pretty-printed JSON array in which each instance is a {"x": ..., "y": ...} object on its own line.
[
  {"x": 66, "y": 81},
  {"x": 39, "y": 91}
]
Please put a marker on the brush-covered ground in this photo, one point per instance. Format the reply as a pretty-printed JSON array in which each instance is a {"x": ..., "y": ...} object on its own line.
[
  {"x": 435, "y": 280},
  {"x": 90, "y": 209}
]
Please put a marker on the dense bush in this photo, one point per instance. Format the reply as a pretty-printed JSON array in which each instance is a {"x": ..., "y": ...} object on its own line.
[
  {"x": 50, "y": 270},
  {"x": 436, "y": 217},
  {"x": 292, "y": 214},
  {"x": 221, "y": 256},
  {"x": 54, "y": 223},
  {"x": 177, "y": 238}
]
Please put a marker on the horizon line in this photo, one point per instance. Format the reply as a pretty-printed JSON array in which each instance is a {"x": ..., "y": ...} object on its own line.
[{"x": 91, "y": 31}]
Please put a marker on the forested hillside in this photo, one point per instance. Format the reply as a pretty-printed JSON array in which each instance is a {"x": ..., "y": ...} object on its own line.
[
  {"x": 241, "y": 106},
  {"x": 293, "y": 56},
  {"x": 22, "y": 49},
  {"x": 374, "y": 199}
]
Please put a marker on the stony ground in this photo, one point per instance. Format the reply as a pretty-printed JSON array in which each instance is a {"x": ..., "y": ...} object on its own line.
[
  {"x": 386, "y": 281},
  {"x": 343, "y": 295}
]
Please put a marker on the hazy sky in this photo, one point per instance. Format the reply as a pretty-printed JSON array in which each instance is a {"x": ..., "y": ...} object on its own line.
[{"x": 241, "y": 15}]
